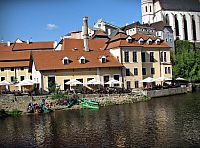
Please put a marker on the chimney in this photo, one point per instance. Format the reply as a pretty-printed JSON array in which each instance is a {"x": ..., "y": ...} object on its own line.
[
  {"x": 8, "y": 43},
  {"x": 28, "y": 42},
  {"x": 85, "y": 33}
]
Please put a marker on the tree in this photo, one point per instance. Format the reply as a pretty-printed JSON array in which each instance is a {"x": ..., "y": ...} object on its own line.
[{"x": 186, "y": 61}]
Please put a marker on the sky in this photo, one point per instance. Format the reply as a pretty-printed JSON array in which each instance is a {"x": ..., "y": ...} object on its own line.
[{"x": 48, "y": 20}]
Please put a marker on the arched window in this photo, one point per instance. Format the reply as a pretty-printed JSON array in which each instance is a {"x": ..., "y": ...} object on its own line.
[
  {"x": 150, "y": 8},
  {"x": 82, "y": 60},
  {"x": 167, "y": 19},
  {"x": 194, "y": 29},
  {"x": 65, "y": 60},
  {"x": 176, "y": 26},
  {"x": 185, "y": 27},
  {"x": 146, "y": 8}
]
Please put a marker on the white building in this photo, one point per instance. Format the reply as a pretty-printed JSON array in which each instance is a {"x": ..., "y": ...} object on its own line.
[{"x": 182, "y": 15}]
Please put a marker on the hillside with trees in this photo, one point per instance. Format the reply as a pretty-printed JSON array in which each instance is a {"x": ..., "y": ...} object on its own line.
[{"x": 186, "y": 61}]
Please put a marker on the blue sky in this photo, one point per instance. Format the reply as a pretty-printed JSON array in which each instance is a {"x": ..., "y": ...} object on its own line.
[{"x": 47, "y": 20}]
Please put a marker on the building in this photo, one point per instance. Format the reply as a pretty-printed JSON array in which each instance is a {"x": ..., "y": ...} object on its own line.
[
  {"x": 182, "y": 15},
  {"x": 142, "y": 56},
  {"x": 15, "y": 59},
  {"x": 159, "y": 29},
  {"x": 126, "y": 58}
]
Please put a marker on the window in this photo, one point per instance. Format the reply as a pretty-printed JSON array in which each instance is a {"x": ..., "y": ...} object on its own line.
[
  {"x": 165, "y": 57},
  {"x": 144, "y": 71},
  {"x": 151, "y": 56},
  {"x": 150, "y": 8},
  {"x": 146, "y": 8},
  {"x": 80, "y": 80},
  {"x": 165, "y": 70},
  {"x": 82, "y": 60},
  {"x": 152, "y": 71},
  {"x": 31, "y": 77},
  {"x": 21, "y": 78},
  {"x": 99, "y": 25},
  {"x": 128, "y": 84},
  {"x": 134, "y": 56},
  {"x": 143, "y": 57},
  {"x": 136, "y": 84},
  {"x": 106, "y": 79},
  {"x": 12, "y": 78},
  {"x": 161, "y": 56},
  {"x": 135, "y": 71},
  {"x": 103, "y": 59},
  {"x": 128, "y": 72},
  {"x": 51, "y": 80},
  {"x": 116, "y": 77},
  {"x": 3, "y": 78},
  {"x": 12, "y": 69},
  {"x": 169, "y": 70},
  {"x": 2, "y": 69},
  {"x": 22, "y": 68},
  {"x": 66, "y": 86},
  {"x": 65, "y": 60},
  {"x": 126, "y": 56}
]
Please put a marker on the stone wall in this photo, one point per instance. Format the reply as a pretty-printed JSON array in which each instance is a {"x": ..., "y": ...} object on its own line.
[
  {"x": 167, "y": 92},
  {"x": 10, "y": 102}
]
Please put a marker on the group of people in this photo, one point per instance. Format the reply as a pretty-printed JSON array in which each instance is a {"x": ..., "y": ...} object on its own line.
[{"x": 39, "y": 108}]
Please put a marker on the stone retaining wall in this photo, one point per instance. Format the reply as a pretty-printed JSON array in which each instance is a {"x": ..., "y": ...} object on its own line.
[{"x": 167, "y": 92}]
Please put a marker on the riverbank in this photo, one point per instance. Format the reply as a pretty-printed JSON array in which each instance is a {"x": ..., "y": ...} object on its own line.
[
  {"x": 20, "y": 103},
  {"x": 11, "y": 102}
]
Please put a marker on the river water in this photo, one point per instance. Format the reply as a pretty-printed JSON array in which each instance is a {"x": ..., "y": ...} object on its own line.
[{"x": 161, "y": 122}]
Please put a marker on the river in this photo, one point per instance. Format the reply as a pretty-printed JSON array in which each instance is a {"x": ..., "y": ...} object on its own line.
[{"x": 172, "y": 121}]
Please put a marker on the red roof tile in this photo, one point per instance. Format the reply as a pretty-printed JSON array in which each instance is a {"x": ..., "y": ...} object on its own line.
[
  {"x": 33, "y": 46},
  {"x": 54, "y": 58}
]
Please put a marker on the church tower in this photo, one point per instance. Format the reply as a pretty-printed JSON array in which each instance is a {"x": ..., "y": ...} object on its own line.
[{"x": 147, "y": 11}]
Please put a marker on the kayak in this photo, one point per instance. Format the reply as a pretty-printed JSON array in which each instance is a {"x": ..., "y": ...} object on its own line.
[{"x": 89, "y": 104}]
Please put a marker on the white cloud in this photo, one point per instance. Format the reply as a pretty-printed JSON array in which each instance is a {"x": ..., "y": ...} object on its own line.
[{"x": 51, "y": 26}]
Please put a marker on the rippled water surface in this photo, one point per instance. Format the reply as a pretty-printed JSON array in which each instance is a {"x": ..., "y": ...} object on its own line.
[{"x": 162, "y": 122}]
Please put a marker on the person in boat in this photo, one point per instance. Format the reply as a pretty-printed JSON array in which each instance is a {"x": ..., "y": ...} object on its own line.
[{"x": 30, "y": 108}]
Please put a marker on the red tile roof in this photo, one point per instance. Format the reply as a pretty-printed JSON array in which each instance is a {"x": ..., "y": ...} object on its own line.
[
  {"x": 33, "y": 46},
  {"x": 54, "y": 58},
  {"x": 14, "y": 59},
  {"x": 121, "y": 42}
]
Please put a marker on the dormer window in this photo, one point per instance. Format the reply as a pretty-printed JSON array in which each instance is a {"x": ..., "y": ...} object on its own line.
[
  {"x": 141, "y": 41},
  {"x": 129, "y": 39},
  {"x": 158, "y": 41},
  {"x": 82, "y": 60},
  {"x": 103, "y": 59},
  {"x": 65, "y": 60},
  {"x": 149, "y": 41}
]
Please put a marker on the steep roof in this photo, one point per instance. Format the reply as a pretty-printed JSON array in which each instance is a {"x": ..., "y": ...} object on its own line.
[
  {"x": 134, "y": 25},
  {"x": 73, "y": 49},
  {"x": 159, "y": 26},
  {"x": 99, "y": 34},
  {"x": 180, "y": 5},
  {"x": 33, "y": 46}
]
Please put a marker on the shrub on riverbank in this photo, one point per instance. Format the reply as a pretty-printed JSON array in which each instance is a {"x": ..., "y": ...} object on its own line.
[{"x": 13, "y": 113}]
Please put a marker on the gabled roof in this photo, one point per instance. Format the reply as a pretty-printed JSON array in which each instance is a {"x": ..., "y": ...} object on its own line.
[
  {"x": 118, "y": 37},
  {"x": 134, "y": 25},
  {"x": 180, "y": 5},
  {"x": 33, "y": 46},
  {"x": 99, "y": 34},
  {"x": 159, "y": 26},
  {"x": 54, "y": 58}
]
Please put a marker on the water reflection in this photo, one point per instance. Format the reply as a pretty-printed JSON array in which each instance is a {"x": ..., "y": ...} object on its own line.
[{"x": 163, "y": 122}]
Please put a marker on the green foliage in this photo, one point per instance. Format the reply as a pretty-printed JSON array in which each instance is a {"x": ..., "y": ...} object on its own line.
[
  {"x": 55, "y": 91},
  {"x": 186, "y": 61}
]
